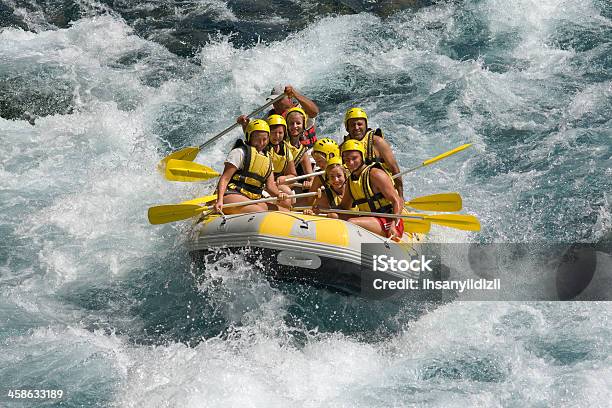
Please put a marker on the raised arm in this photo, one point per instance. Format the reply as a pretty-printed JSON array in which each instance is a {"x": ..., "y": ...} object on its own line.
[
  {"x": 243, "y": 120},
  {"x": 311, "y": 108}
]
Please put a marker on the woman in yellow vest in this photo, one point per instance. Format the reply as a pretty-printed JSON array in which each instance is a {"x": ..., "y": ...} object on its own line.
[
  {"x": 296, "y": 118},
  {"x": 371, "y": 189},
  {"x": 280, "y": 154},
  {"x": 247, "y": 171},
  {"x": 334, "y": 187},
  {"x": 322, "y": 151}
]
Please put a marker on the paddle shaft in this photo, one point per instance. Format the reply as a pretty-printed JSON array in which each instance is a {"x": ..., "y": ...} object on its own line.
[
  {"x": 229, "y": 129},
  {"x": 364, "y": 213},
  {"x": 264, "y": 200},
  {"x": 305, "y": 176}
]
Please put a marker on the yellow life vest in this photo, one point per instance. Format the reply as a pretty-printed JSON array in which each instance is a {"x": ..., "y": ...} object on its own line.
[
  {"x": 333, "y": 198},
  {"x": 251, "y": 179},
  {"x": 363, "y": 195},
  {"x": 280, "y": 160},
  {"x": 368, "y": 142},
  {"x": 298, "y": 154}
]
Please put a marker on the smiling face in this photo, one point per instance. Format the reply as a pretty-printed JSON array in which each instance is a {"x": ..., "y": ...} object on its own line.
[
  {"x": 336, "y": 176},
  {"x": 277, "y": 134},
  {"x": 259, "y": 139},
  {"x": 357, "y": 128},
  {"x": 352, "y": 159},
  {"x": 295, "y": 124}
]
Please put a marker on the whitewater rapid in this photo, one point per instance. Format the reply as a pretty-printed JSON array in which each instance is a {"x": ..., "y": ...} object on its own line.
[{"x": 101, "y": 304}]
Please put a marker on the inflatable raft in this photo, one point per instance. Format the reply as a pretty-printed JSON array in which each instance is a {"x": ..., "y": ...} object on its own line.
[{"x": 290, "y": 246}]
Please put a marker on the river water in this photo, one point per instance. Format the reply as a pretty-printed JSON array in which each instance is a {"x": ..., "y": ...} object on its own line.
[{"x": 98, "y": 303}]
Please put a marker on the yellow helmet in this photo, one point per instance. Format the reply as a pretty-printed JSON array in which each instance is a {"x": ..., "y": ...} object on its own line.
[
  {"x": 354, "y": 113},
  {"x": 327, "y": 147},
  {"x": 300, "y": 110},
  {"x": 332, "y": 162},
  {"x": 276, "y": 120},
  {"x": 352, "y": 144},
  {"x": 255, "y": 125}
]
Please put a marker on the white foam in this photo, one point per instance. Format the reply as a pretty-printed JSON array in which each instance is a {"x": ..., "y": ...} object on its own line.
[
  {"x": 336, "y": 370},
  {"x": 261, "y": 372}
]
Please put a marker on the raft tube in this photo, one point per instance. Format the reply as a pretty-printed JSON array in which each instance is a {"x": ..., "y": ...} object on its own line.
[{"x": 319, "y": 251}]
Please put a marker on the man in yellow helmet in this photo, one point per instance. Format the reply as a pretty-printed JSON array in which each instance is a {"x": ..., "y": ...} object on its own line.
[
  {"x": 248, "y": 169},
  {"x": 371, "y": 189},
  {"x": 376, "y": 147},
  {"x": 296, "y": 99}
]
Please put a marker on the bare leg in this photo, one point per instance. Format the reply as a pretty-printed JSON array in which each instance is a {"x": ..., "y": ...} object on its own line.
[
  {"x": 369, "y": 223},
  {"x": 274, "y": 207},
  {"x": 239, "y": 198}
]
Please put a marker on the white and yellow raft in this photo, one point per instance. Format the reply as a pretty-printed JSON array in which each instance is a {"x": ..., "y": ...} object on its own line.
[{"x": 290, "y": 246}]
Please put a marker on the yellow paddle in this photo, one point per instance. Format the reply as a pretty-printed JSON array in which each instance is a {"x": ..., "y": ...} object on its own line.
[
  {"x": 458, "y": 221},
  {"x": 463, "y": 222},
  {"x": 163, "y": 214},
  {"x": 434, "y": 159},
  {"x": 184, "y": 170},
  {"x": 417, "y": 226},
  {"x": 190, "y": 153},
  {"x": 437, "y": 202},
  {"x": 201, "y": 200}
]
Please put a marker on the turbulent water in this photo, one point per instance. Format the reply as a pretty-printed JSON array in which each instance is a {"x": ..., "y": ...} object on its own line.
[{"x": 98, "y": 303}]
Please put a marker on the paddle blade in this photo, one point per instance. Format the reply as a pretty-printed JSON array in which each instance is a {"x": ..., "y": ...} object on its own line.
[
  {"x": 188, "y": 154},
  {"x": 201, "y": 200},
  {"x": 183, "y": 170},
  {"x": 444, "y": 155},
  {"x": 458, "y": 221},
  {"x": 416, "y": 226},
  {"x": 163, "y": 214},
  {"x": 437, "y": 202}
]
